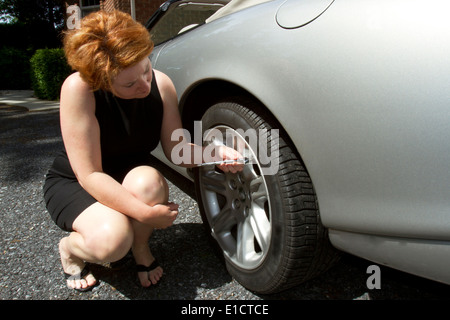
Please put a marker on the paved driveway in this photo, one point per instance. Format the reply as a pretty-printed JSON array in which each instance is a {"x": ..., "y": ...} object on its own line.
[{"x": 29, "y": 258}]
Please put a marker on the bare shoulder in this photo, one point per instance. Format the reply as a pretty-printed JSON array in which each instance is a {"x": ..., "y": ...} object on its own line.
[
  {"x": 165, "y": 84},
  {"x": 76, "y": 92},
  {"x": 74, "y": 82}
]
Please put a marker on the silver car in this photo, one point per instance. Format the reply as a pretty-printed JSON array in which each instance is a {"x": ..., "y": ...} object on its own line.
[{"x": 349, "y": 103}]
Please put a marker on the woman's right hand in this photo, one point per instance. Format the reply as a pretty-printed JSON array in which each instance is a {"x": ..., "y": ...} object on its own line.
[{"x": 162, "y": 215}]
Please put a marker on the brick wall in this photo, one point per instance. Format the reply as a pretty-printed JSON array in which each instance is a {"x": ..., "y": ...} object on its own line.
[{"x": 144, "y": 8}]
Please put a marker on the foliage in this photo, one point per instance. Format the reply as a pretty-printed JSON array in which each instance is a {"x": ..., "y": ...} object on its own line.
[
  {"x": 25, "y": 26},
  {"x": 14, "y": 68},
  {"x": 29, "y": 11},
  {"x": 38, "y": 23},
  {"x": 49, "y": 69}
]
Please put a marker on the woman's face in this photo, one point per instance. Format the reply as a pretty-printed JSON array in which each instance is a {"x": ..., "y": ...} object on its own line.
[{"x": 134, "y": 82}]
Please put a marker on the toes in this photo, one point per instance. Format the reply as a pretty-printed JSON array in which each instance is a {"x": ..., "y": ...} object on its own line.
[
  {"x": 144, "y": 279},
  {"x": 71, "y": 284},
  {"x": 150, "y": 277},
  {"x": 81, "y": 284},
  {"x": 90, "y": 280},
  {"x": 155, "y": 275},
  {"x": 75, "y": 282}
]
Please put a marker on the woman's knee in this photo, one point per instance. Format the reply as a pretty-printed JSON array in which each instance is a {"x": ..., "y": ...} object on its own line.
[
  {"x": 110, "y": 243},
  {"x": 108, "y": 235},
  {"x": 147, "y": 184}
]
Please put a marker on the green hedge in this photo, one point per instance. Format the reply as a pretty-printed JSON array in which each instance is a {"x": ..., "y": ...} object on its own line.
[
  {"x": 49, "y": 69},
  {"x": 14, "y": 68}
]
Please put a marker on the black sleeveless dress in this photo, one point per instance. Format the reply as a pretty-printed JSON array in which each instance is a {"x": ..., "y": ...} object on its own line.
[{"x": 129, "y": 130}]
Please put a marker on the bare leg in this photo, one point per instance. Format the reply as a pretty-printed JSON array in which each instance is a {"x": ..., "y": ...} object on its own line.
[
  {"x": 143, "y": 255},
  {"x": 148, "y": 185},
  {"x": 101, "y": 235},
  {"x": 105, "y": 235}
]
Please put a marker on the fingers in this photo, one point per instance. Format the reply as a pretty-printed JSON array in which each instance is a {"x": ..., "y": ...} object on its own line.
[
  {"x": 166, "y": 214},
  {"x": 231, "y": 167},
  {"x": 173, "y": 206},
  {"x": 173, "y": 210},
  {"x": 227, "y": 153}
]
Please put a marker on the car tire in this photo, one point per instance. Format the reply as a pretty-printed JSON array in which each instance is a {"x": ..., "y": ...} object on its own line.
[{"x": 267, "y": 226}]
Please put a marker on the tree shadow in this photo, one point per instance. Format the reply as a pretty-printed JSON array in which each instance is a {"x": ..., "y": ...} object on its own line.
[
  {"x": 192, "y": 269},
  {"x": 28, "y": 140},
  {"x": 188, "y": 261}
]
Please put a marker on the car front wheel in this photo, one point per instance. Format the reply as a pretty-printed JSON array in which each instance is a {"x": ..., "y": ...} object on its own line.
[{"x": 264, "y": 219}]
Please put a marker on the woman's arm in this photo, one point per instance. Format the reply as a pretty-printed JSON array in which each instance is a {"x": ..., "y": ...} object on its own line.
[
  {"x": 81, "y": 136},
  {"x": 171, "y": 118},
  {"x": 172, "y": 122}
]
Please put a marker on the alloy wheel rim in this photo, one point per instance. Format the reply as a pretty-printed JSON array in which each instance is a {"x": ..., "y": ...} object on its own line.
[{"x": 237, "y": 206}]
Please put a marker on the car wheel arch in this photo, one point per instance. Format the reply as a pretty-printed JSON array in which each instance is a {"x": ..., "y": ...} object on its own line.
[{"x": 201, "y": 96}]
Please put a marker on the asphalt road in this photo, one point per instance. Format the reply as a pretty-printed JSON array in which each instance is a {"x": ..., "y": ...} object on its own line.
[{"x": 29, "y": 260}]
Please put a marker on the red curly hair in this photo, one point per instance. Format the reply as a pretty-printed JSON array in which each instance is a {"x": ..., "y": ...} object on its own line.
[{"x": 105, "y": 44}]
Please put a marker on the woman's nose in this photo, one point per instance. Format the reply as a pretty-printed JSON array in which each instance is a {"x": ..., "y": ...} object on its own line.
[{"x": 144, "y": 84}]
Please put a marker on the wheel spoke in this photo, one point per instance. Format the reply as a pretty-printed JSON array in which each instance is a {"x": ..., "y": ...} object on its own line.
[
  {"x": 223, "y": 221},
  {"x": 249, "y": 173},
  {"x": 214, "y": 181},
  {"x": 245, "y": 244},
  {"x": 261, "y": 226},
  {"x": 258, "y": 190},
  {"x": 221, "y": 226}
]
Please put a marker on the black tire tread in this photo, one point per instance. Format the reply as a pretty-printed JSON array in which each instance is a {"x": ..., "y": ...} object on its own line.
[{"x": 307, "y": 250}]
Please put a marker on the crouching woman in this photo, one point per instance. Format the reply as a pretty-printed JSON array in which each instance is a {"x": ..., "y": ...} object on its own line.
[{"x": 114, "y": 110}]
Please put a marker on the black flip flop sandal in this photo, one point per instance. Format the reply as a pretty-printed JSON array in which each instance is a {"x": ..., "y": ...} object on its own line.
[
  {"x": 151, "y": 267},
  {"x": 142, "y": 268}
]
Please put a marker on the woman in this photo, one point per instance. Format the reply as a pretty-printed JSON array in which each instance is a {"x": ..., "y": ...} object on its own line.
[{"x": 114, "y": 110}]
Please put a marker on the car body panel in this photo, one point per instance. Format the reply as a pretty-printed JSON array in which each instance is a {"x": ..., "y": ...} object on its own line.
[
  {"x": 295, "y": 14},
  {"x": 363, "y": 93},
  {"x": 426, "y": 258}
]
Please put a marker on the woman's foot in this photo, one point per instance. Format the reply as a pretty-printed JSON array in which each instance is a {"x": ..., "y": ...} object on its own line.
[
  {"x": 78, "y": 276},
  {"x": 151, "y": 272}
]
